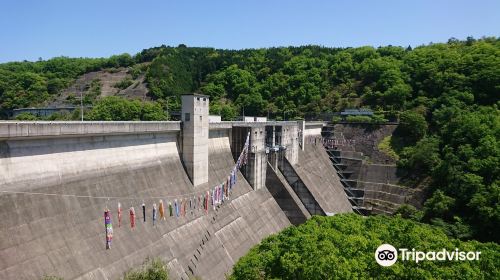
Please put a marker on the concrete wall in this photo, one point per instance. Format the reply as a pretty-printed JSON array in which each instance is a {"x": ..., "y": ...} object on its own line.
[
  {"x": 317, "y": 172},
  {"x": 53, "y": 161},
  {"x": 313, "y": 128},
  {"x": 64, "y": 236},
  {"x": 382, "y": 173},
  {"x": 286, "y": 198},
  {"x": 376, "y": 182},
  {"x": 214, "y": 118},
  {"x": 365, "y": 138}
]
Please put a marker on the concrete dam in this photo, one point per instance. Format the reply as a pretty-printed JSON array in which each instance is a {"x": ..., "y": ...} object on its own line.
[{"x": 56, "y": 179}]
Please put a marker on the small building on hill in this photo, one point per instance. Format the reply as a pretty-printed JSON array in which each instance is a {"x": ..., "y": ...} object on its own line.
[
  {"x": 44, "y": 112},
  {"x": 356, "y": 112}
]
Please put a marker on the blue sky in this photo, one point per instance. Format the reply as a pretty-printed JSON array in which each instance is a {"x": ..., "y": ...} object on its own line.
[{"x": 100, "y": 28}]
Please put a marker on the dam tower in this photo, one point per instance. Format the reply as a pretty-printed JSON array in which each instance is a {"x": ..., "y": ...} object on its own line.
[{"x": 195, "y": 137}]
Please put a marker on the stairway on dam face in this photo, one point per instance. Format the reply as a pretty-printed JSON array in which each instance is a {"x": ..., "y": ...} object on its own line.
[
  {"x": 64, "y": 236},
  {"x": 374, "y": 183}
]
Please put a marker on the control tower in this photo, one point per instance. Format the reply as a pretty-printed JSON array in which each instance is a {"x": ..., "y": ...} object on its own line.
[{"x": 195, "y": 137}]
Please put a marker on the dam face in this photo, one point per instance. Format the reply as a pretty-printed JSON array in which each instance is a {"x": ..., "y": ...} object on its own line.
[{"x": 56, "y": 179}]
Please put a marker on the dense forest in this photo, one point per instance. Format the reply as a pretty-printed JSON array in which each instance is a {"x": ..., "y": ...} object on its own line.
[
  {"x": 343, "y": 246},
  {"x": 286, "y": 81},
  {"x": 445, "y": 96}
]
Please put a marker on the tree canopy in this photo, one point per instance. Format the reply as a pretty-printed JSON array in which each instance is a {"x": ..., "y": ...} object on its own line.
[
  {"x": 288, "y": 81},
  {"x": 343, "y": 247},
  {"x": 114, "y": 108}
]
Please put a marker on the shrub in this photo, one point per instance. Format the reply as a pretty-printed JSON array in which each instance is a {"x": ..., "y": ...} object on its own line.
[
  {"x": 385, "y": 147},
  {"x": 26, "y": 117},
  {"x": 378, "y": 119},
  {"x": 336, "y": 119},
  {"x": 364, "y": 119},
  {"x": 153, "y": 269},
  {"x": 123, "y": 84}
]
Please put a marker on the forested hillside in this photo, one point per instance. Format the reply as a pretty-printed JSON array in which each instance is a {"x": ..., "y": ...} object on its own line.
[
  {"x": 445, "y": 95},
  {"x": 343, "y": 246},
  {"x": 291, "y": 80}
]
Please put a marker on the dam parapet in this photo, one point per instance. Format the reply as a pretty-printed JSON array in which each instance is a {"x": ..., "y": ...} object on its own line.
[{"x": 10, "y": 130}]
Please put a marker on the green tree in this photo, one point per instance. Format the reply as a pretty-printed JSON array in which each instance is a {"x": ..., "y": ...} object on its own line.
[
  {"x": 234, "y": 82},
  {"x": 412, "y": 126},
  {"x": 421, "y": 159},
  {"x": 226, "y": 110},
  {"x": 170, "y": 75},
  {"x": 26, "y": 117},
  {"x": 439, "y": 205},
  {"x": 114, "y": 108},
  {"x": 343, "y": 246}
]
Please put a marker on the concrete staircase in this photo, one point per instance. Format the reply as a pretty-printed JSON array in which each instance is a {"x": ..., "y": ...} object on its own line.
[
  {"x": 356, "y": 196},
  {"x": 372, "y": 186}
]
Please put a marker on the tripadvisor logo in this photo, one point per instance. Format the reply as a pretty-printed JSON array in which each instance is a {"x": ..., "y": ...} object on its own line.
[{"x": 387, "y": 255}]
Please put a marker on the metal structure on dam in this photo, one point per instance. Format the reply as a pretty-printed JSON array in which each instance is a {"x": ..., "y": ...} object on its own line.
[{"x": 287, "y": 179}]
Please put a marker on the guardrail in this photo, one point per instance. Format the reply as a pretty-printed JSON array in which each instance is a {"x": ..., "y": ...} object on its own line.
[{"x": 42, "y": 129}]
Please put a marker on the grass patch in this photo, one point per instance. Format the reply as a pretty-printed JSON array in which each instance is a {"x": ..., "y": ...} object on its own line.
[{"x": 385, "y": 147}]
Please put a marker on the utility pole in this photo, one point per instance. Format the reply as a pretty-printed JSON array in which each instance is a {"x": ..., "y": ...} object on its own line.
[
  {"x": 168, "y": 117},
  {"x": 81, "y": 102},
  {"x": 168, "y": 113}
]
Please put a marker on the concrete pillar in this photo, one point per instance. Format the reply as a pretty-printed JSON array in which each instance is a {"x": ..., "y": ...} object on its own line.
[
  {"x": 195, "y": 137},
  {"x": 273, "y": 136},
  {"x": 257, "y": 159},
  {"x": 290, "y": 139},
  {"x": 294, "y": 138},
  {"x": 302, "y": 129},
  {"x": 273, "y": 155}
]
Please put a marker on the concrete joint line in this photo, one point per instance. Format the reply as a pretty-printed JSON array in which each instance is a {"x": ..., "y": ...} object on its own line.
[
  {"x": 225, "y": 250},
  {"x": 373, "y": 191},
  {"x": 228, "y": 225}
]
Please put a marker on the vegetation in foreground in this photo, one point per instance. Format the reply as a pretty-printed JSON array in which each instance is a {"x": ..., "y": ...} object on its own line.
[
  {"x": 152, "y": 269},
  {"x": 343, "y": 247}
]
